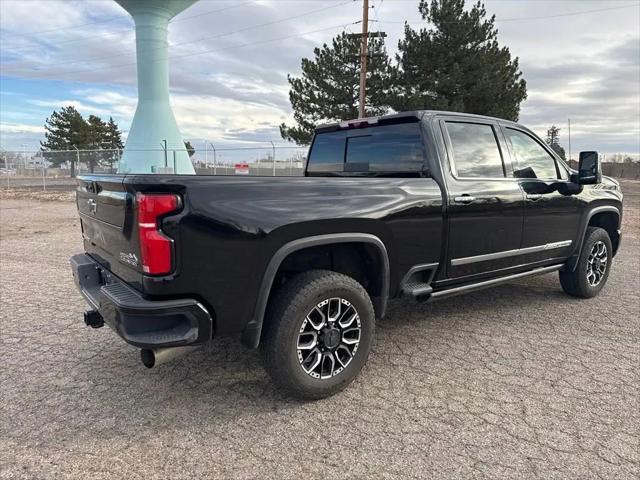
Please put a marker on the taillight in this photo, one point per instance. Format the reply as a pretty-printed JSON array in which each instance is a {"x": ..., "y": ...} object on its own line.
[{"x": 156, "y": 249}]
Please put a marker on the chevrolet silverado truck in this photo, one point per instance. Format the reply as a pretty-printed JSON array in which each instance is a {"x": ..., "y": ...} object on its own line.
[{"x": 418, "y": 204}]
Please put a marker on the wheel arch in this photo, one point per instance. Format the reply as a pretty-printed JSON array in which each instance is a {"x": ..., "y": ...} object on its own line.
[
  {"x": 251, "y": 335},
  {"x": 606, "y": 217}
]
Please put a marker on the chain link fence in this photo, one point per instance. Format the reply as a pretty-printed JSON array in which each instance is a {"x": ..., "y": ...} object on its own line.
[{"x": 56, "y": 169}]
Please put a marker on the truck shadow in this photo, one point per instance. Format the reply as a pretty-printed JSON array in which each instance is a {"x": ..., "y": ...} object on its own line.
[{"x": 225, "y": 382}]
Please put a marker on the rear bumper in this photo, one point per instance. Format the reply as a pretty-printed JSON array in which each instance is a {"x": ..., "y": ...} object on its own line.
[{"x": 140, "y": 322}]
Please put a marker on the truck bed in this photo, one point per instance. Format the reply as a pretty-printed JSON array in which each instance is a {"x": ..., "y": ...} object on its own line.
[{"x": 230, "y": 227}]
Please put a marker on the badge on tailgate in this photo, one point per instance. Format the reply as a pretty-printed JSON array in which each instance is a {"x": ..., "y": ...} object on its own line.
[{"x": 129, "y": 258}]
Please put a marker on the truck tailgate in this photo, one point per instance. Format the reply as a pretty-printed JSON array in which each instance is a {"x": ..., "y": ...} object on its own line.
[{"x": 108, "y": 226}]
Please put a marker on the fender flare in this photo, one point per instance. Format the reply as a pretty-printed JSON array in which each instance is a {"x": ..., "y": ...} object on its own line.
[
  {"x": 253, "y": 330},
  {"x": 572, "y": 262}
]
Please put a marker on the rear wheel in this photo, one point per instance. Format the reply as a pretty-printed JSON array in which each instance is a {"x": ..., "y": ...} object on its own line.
[
  {"x": 318, "y": 334},
  {"x": 592, "y": 271}
]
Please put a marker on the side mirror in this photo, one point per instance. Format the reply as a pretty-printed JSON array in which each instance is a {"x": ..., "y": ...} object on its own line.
[{"x": 589, "y": 169}]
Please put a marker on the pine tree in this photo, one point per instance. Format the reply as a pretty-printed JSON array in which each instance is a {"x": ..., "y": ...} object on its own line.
[
  {"x": 112, "y": 141},
  {"x": 328, "y": 89},
  {"x": 553, "y": 140},
  {"x": 457, "y": 64},
  {"x": 113, "y": 136},
  {"x": 67, "y": 130},
  {"x": 64, "y": 130},
  {"x": 189, "y": 148}
]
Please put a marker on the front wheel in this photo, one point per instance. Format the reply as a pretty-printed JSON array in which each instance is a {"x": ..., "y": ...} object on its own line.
[
  {"x": 592, "y": 271},
  {"x": 318, "y": 334}
]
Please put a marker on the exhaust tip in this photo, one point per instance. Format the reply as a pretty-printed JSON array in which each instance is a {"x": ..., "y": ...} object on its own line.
[{"x": 148, "y": 358}]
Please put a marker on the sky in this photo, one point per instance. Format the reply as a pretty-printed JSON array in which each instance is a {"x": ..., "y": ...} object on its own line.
[{"x": 229, "y": 62}]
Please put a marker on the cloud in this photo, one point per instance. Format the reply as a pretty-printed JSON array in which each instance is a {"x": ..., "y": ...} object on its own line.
[
  {"x": 20, "y": 128},
  {"x": 228, "y": 79}
]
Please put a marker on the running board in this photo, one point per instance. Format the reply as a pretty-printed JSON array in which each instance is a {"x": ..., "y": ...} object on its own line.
[{"x": 450, "y": 292}]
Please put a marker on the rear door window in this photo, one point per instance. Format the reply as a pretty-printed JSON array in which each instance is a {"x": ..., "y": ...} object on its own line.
[
  {"x": 327, "y": 153},
  {"x": 377, "y": 149},
  {"x": 475, "y": 150}
]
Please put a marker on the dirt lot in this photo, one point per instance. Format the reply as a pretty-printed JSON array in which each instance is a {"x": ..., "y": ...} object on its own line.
[{"x": 516, "y": 382}]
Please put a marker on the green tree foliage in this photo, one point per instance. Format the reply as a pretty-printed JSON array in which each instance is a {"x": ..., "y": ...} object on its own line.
[
  {"x": 189, "y": 148},
  {"x": 329, "y": 87},
  {"x": 64, "y": 130},
  {"x": 67, "y": 130},
  {"x": 113, "y": 141},
  {"x": 553, "y": 140},
  {"x": 457, "y": 64}
]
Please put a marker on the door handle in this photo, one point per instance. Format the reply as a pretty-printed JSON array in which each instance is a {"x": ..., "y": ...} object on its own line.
[
  {"x": 464, "y": 199},
  {"x": 534, "y": 196}
]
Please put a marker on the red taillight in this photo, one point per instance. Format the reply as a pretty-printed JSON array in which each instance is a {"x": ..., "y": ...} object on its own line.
[{"x": 156, "y": 249}]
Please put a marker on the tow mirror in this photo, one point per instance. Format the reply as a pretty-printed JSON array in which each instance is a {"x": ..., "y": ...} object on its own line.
[{"x": 589, "y": 168}]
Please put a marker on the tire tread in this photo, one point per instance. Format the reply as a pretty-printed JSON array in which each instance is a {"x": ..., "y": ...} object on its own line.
[{"x": 291, "y": 297}]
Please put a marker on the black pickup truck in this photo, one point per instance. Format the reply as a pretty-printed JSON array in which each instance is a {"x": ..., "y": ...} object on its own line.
[{"x": 421, "y": 204}]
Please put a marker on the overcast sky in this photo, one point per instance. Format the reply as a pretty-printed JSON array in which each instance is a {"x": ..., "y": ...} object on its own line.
[{"x": 230, "y": 60}]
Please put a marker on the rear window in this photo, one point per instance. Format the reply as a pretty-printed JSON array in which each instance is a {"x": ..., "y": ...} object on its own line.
[{"x": 376, "y": 150}]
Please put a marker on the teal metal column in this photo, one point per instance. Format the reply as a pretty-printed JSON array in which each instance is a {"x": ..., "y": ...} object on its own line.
[{"x": 154, "y": 123}]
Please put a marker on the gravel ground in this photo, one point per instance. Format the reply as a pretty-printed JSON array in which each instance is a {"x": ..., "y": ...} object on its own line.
[{"x": 519, "y": 381}]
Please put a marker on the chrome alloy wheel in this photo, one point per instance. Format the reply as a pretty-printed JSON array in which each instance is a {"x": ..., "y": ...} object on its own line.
[
  {"x": 328, "y": 338},
  {"x": 597, "y": 263}
]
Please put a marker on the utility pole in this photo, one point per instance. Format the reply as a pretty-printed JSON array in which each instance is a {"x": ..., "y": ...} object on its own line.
[
  {"x": 363, "y": 57},
  {"x": 364, "y": 54}
]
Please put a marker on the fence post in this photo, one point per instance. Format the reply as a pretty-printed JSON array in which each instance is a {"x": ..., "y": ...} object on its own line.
[
  {"x": 214, "y": 158},
  {"x": 273, "y": 147},
  {"x": 44, "y": 175},
  {"x": 6, "y": 166},
  {"x": 73, "y": 167}
]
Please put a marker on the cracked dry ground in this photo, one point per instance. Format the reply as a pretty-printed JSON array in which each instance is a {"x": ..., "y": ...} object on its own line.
[{"x": 519, "y": 381}]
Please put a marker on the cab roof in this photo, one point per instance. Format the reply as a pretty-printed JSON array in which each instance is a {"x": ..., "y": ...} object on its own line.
[{"x": 401, "y": 117}]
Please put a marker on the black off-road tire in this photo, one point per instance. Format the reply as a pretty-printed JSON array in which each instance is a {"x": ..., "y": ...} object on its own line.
[
  {"x": 576, "y": 283},
  {"x": 284, "y": 321}
]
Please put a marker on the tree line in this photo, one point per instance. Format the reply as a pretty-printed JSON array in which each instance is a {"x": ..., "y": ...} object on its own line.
[{"x": 454, "y": 64}]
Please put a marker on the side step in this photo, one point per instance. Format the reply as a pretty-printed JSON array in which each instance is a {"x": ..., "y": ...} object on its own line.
[
  {"x": 450, "y": 292},
  {"x": 416, "y": 289},
  {"x": 417, "y": 281}
]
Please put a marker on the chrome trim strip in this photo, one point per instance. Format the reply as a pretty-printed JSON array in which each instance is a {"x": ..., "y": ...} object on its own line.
[
  {"x": 510, "y": 253},
  {"x": 490, "y": 283}
]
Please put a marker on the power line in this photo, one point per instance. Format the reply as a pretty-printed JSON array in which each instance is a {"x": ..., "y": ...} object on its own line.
[
  {"x": 215, "y": 50},
  {"x": 515, "y": 19},
  {"x": 127, "y": 29},
  {"x": 109, "y": 19},
  {"x": 188, "y": 17},
  {"x": 220, "y": 35}
]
